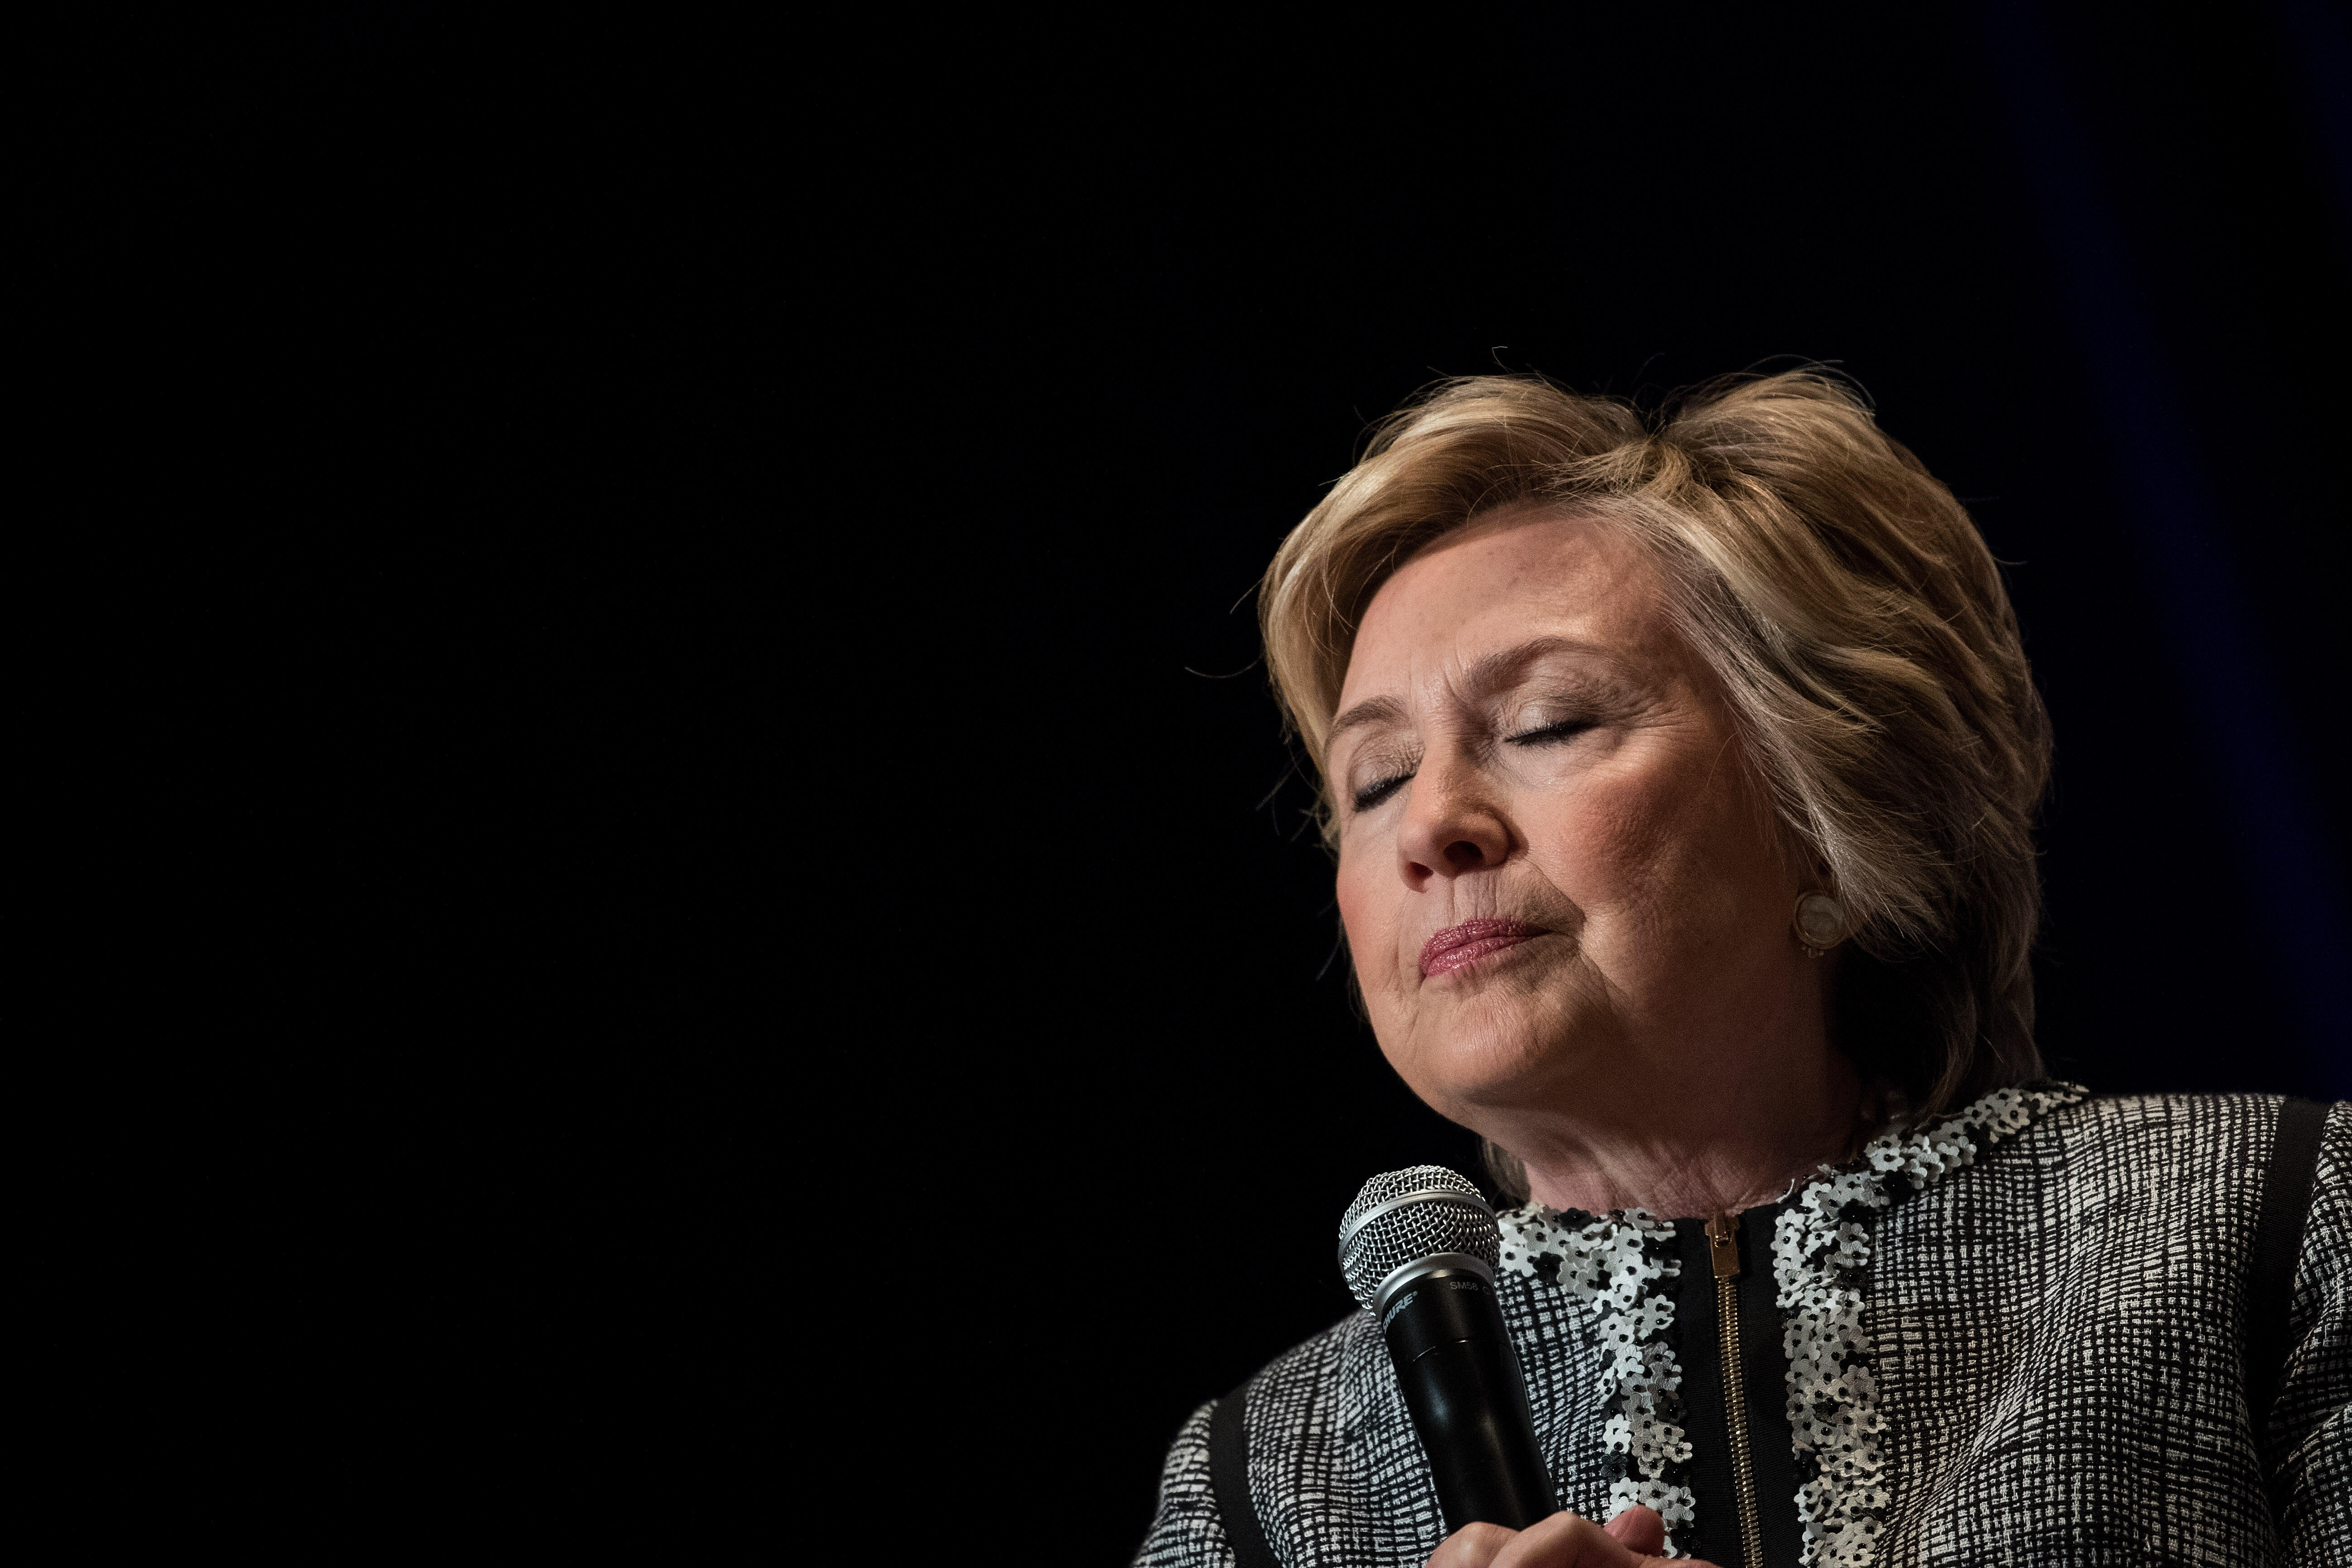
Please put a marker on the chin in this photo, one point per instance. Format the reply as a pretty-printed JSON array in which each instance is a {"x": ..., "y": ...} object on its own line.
[{"x": 1498, "y": 1050}]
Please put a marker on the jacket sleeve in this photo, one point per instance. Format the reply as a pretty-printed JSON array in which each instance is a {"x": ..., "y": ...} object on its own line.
[
  {"x": 1186, "y": 1531},
  {"x": 2310, "y": 1434}
]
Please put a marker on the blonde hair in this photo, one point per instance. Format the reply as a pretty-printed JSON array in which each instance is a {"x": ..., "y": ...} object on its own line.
[{"x": 1856, "y": 619}]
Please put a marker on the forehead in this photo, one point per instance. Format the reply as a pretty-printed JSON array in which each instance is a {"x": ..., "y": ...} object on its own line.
[{"x": 1499, "y": 581}]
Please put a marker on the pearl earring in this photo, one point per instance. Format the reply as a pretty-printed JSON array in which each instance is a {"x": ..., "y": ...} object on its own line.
[{"x": 1821, "y": 924}]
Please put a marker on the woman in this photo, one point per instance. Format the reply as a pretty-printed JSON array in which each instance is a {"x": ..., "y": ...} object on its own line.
[{"x": 1681, "y": 781}]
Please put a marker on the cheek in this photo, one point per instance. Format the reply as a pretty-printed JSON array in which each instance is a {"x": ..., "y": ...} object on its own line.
[
  {"x": 1369, "y": 920},
  {"x": 1599, "y": 844},
  {"x": 1639, "y": 839},
  {"x": 1693, "y": 872}
]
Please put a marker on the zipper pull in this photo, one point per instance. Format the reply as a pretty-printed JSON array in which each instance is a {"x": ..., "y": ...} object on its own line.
[{"x": 1723, "y": 1246}]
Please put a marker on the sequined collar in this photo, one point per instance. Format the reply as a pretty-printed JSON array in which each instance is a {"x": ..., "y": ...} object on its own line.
[{"x": 1620, "y": 1269}]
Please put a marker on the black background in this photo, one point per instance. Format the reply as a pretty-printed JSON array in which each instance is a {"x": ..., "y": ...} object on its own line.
[{"x": 695, "y": 721}]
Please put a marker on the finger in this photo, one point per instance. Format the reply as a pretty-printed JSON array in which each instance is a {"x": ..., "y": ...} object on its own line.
[
  {"x": 1472, "y": 1546},
  {"x": 1566, "y": 1540},
  {"x": 1640, "y": 1530}
]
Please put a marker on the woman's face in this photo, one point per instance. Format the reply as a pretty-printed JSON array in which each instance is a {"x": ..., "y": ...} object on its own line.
[{"x": 1557, "y": 876}]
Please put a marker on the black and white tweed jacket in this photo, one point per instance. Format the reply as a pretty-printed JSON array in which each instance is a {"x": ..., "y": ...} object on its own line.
[{"x": 2014, "y": 1336}]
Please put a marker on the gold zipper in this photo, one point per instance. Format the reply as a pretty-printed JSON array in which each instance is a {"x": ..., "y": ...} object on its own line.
[{"x": 1723, "y": 1246}]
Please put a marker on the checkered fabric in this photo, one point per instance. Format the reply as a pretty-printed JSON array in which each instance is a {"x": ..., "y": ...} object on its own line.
[{"x": 2031, "y": 1314}]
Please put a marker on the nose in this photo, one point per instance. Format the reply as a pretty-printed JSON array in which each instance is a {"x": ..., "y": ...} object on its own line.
[{"x": 1453, "y": 826}]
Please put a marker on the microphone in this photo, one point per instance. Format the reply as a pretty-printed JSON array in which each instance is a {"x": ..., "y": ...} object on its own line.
[{"x": 1419, "y": 1248}]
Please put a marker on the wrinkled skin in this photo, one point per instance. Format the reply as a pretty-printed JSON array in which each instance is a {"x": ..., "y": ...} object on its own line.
[{"x": 1525, "y": 736}]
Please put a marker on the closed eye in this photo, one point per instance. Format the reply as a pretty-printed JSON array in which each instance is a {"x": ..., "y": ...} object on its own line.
[
  {"x": 1371, "y": 795},
  {"x": 1551, "y": 734}
]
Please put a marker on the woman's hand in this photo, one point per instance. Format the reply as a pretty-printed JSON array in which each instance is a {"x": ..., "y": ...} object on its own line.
[{"x": 1564, "y": 1540}]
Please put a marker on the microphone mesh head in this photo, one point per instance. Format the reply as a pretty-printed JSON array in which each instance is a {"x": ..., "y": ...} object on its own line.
[{"x": 1444, "y": 1213}]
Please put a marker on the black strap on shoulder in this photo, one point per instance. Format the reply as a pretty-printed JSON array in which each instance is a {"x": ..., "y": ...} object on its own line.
[
  {"x": 1229, "y": 1476},
  {"x": 2278, "y": 1242}
]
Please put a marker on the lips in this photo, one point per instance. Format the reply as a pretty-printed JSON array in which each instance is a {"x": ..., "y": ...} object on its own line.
[{"x": 1458, "y": 947}]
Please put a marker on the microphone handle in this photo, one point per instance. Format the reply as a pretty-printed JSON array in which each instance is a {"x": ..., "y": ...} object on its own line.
[{"x": 1469, "y": 1400}]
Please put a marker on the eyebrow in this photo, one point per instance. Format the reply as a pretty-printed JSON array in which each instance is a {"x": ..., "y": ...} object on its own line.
[
  {"x": 1485, "y": 675},
  {"x": 1498, "y": 670},
  {"x": 1371, "y": 711}
]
